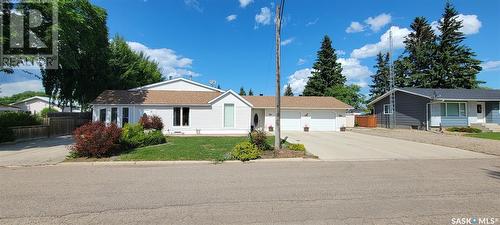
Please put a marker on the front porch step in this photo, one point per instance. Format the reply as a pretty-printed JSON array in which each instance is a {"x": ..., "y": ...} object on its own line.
[{"x": 488, "y": 127}]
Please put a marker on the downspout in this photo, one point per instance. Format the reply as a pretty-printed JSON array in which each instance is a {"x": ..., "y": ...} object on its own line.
[{"x": 427, "y": 116}]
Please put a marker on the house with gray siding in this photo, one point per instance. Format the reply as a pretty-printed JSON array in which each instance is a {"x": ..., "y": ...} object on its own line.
[{"x": 425, "y": 108}]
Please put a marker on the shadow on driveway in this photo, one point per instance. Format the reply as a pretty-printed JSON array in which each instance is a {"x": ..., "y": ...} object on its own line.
[{"x": 35, "y": 152}]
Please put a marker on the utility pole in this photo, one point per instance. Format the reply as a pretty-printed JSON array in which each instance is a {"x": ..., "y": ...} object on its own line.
[
  {"x": 277, "y": 131},
  {"x": 392, "y": 84}
]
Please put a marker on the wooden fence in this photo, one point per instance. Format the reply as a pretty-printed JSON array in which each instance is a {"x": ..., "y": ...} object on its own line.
[
  {"x": 52, "y": 126},
  {"x": 366, "y": 121}
]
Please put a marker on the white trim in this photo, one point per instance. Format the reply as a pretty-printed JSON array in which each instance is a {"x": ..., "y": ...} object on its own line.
[
  {"x": 306, "y": 108},
  {"x": 390, "y": 109},
  {"x": 396, "y": 89},
  {"x": 471, "y": 100},
  {"x": 233, "y": 93},
  {"x": 172, "y": 81}
]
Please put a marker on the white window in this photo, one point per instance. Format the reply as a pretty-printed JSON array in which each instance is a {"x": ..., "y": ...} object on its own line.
[
  {"x": 228, "y": 115},
  {"x": 387, "y": 109},
  {"x": 453, "y": 109},
  {"x": 181, "y": 116},
  {"x": 125, "y": 116},
  {"x": 102, "y": 115}
]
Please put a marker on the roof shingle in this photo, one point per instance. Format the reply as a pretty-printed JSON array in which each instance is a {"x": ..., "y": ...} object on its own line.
[
  {"x": 156, "y": 97},
  {"x": 307, "y": 102}
]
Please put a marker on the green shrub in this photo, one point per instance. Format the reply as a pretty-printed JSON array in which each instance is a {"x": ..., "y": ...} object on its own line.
[
  {"x": 47, "y": 110},
  {"x": 154, "y": 138},
  {"x": 133, "y": 136},
  {"x": 464, "y": 129},
  {"x": 13, "y": 119},
  {"x": 259, "y": 139},
  {"x": 6, "y": 134},
  {"x": 245, "y": 151},
  {"x": 297, "y": 147}
]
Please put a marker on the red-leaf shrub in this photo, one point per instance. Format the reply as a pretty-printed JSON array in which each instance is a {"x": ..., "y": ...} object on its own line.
[
  {"x": 96, "y": 139},
  {"x": 156, "y": 123},
  {"x": 145, "y": 121},
  {"x": 151, "y": 122}
]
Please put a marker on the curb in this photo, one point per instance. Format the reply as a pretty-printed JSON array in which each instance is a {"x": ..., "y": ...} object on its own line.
[{"x": 139, "y": 163}]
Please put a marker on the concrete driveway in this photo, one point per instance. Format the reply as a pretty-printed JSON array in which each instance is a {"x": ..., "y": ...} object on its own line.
[
  {"x": 355, "y": 146},
  {"x": 35, "y": 152}
]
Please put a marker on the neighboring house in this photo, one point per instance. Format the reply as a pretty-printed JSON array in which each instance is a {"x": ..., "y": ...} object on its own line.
[
  {"x": 4, "y": 108},
  {"x": 189, "y": 107},
  {"x": 36, "y": 104},
  {"x": 424, "y": 108}
]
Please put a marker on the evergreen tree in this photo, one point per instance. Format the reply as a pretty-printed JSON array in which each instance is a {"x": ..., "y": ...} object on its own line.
[
  {"x": 414, "y": 68},
  {"x": 218, "y": 86},
  {"x": 380, "y": 79},
  {"x": 327, "y": 72},
  {"x": 288, "y": 90},
  {"x": 456, "y": 66},
  {"x": 250, "y": 92},
  {"x": 242, "y": 91}
]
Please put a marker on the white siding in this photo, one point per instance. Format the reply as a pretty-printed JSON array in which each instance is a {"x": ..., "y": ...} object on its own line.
[
  {"x": 34, "y": 106},
  {"x": 306, "y": 119},
  {"x": 205, "y": 120},
  {"x": 179, "y": 85}
]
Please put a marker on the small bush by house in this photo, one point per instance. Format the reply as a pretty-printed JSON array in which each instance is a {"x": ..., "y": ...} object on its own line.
[
  {"x": 96, "y": 139},
  {"x": 464, "y": 129},
  {"x": 14, "y": 119},
  {"x": 133, "y": 136},
  {"x": 245, "y": 151},
  {"x": 297, "y": 147},
  {"x": 151, "y": 122}
]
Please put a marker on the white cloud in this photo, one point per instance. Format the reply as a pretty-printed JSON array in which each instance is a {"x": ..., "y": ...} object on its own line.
[
  {"x": 354, "y": 71},
  {"x": 8, "y": 89},
  {"x": 301, "y": 61},
  {"x": 491, "y": 65},
  {"x": 351, "y": 69},
  {"x": 378, "y": 22},
  {"x": 355, "y": 27},
  {"x": 340, "y": 52},
  {"x": 170, "y": 63},
  {"x": 263, "y": 17},
  {"x": 287, "y": 41},
  {"x": 245, "y": 3},
  {"x": 194, "y": 4},
  {"x": 471, "y": 24},
  {"x": 310, "y": 23},
  {"x": 298, "y": 80},
  {"x": 369, "y": 50},
  {"x": 231, "y": 17}
]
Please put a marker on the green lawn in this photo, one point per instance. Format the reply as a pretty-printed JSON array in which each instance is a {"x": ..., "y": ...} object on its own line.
[
  {"x": 486, "y": 135},
  {"x": 186, "y": 148}
]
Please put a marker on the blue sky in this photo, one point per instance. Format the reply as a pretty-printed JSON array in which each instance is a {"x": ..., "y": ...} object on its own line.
[{"x": 232, "y": 41}]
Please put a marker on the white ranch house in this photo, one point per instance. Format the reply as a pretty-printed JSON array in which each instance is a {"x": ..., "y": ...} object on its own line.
[{"x": 188, "y": 107}]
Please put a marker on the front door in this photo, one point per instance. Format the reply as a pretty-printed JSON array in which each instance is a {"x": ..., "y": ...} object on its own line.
[{"x": 480, "y": 112}]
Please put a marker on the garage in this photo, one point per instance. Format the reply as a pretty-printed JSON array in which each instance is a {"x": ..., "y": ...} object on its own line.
[
  {"x": 290, "y": 120},
  {"x": 322, "y": 121}
]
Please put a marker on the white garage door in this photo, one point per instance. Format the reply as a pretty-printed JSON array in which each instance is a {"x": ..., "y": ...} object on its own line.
[
  {"x": 323, "y": 121},
  {"x": 290, "y": 120}
]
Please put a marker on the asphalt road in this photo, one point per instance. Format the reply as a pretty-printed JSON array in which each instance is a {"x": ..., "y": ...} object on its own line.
[{"x": 370, "y": 192}]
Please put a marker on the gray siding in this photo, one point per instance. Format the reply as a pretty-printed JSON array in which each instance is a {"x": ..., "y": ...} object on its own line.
[
  {"x": 454, "y": 122},
  {"x": 410, "y": 111},
  {"x": 492, "y": 112}
]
